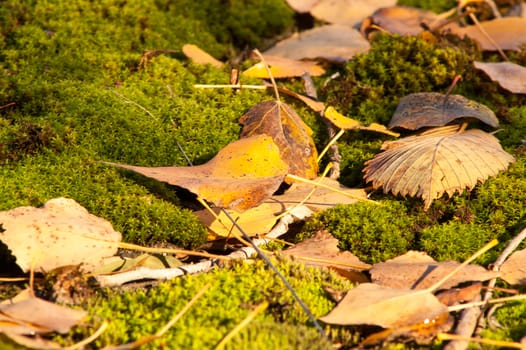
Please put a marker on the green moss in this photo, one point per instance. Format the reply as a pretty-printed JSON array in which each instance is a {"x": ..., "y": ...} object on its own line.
[
  {"x": 432, "y": 5},
  {"x": 234, "y": 292},
  {"x": 373, "y": 233}
]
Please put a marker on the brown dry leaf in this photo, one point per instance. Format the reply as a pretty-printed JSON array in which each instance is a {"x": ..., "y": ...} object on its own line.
[
  {"x": 417, "y": 270},
  {"x": 322, "y": 198},
  {"x": 289, "y": 132},
  {"x": 348, "y": 12},
  {"x": 315, "y": 105},
  {"x": 509, "y": 33},
  {"x": 200, "y": 56},
  {"x": 402, "y": 20},
  {"x": 254, "y": 221},
  {"x": 425, "y": 109},
  {"x": 456, "y": 296},
  {"x": 510, "y": 76},
  {"x": 302, "y": 6},
  {"x": 323, "y": 246},
  {"x": 42, "y": 315},
  {"x": 514, "y": 268},
  {"x": 371, "y": 304},
  {"x": 61, "y": 233},
  {"x": 441, "y": 160},
  {"x": 281, "y": 67},
  {"x": 240, "y": 176},
  {"x": 334, "y": 43}
]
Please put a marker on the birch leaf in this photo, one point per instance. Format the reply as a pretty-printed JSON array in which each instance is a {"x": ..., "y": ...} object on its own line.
[
  {"x": 442, "y": 160},
  {"x": 240, "y": 176},
  {"x": 281, "y": 67}
]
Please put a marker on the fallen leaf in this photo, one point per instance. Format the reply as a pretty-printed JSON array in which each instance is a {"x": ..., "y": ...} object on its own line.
[
  {"x": 281, "y": 67},
  {"x": 315, "y": 105},
  {"x": 425, "y": 109},
  {"x": 322, "y": 250},
  {"x": 61, "y": 233},
  {"x": 301, "y": 6},
  {"x": 371, "y": 304},
  {"x": 441, "y": 160},
  {"x": 510, "y": 76},
  {"x": 514, "y": 268},
  {"x": 47, "y": 316},
  {"x": 240, "y": 176},
  {"x": 322, "y": 198},
  {"x": 347, "y": 12},
  {"x": 509, "y": 33},
  {"x": 334, "y": 43},
  {"x": 200, "y": 56},
  {"x": 417, "y": 270},
  {"x": 254, "y": 221},
  {"x": 402, "y": 20},
  {"x": 289, "y": 132},
  {"x": 346, "y": 123},
  {"x": 33, "y": 342},
  {"x": 456, "y": 296}
]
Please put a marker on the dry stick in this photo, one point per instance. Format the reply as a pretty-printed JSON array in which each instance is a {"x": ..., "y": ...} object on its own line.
[
  {"x": 84, "y": 342},
  {"x": 274, "y": 85},
  {"x": 465, "y": 327},
  {"x": 261, "y": 307}
]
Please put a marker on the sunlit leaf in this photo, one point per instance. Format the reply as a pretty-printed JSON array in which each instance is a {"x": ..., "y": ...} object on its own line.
[
  {"x": 347, "y": 12},
  {"x": 425, "y": 109},
  {"x": 508, "y": 33},
  {"x": 334, "y": 43},
  {"x": 240, "y": 176},
  {"x": 514, "y": 268},
  {"x": 281, "y": 67},
  {"x": 347, "y": 123},
  {"x": 289, "y": 132},
  {"x": 402, "y": 20},
  {"x": 200, "y": 56},
  {"x": 61, "y": 233},
  {"x": 442, "y": 160}
]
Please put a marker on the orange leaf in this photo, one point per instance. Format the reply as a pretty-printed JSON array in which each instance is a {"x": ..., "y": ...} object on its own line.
[
  {"x": 199, "y": 56},
  {"x": 289, "y": 132},
  {"x": 240, "y": 176}
]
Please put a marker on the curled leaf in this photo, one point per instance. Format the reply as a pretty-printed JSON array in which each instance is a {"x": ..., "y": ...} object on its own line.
[
  {"x": 425, "y": 109},
  {"x": 442, "y": 160},
  {"x": 510, "y": 76}
]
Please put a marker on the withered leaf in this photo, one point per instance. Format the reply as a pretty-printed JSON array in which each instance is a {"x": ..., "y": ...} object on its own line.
[
  {"x": 315, "y": 105},
  {"x": 347, "y": 12},
  {"x": 509, "y": 33},
  {"x": 514, "y": 268},
  {"x": 323, "y": 246},
  {"x": 371, "y": 304},
  {"x": 198, "y": 55},
  {"x": 62, "y": 232},
  {"x": 441, "y": 160},
  {"x": 240, "y": 176},
  {"x": 510, "y": 76},
  {"x": 402, "y": 20},
  {"x": 425, "y": 109},
  {"x": 417, "y": 270},
  {"x": 347, "y": 123},
  {"x": 293, "y": 137},
  {"x": 281, "y": 67},
  {"x": 334, "y": 43}
]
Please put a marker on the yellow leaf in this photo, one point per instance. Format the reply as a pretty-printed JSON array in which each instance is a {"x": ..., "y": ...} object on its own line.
[
  {"x": 281, "y": 67},
  {"x": 199, "y": 56},
  {"x": 340, "y": 120}
]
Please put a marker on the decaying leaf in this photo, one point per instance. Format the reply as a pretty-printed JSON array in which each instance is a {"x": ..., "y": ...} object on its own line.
[
  {"x": 417, "y": 270},
  {"x": 289, "y": 132},
  {"x": 371, "y": 304},
  {"x": 240, "y": 176},
  {"x": 334, "y": 43},
  {"x": 60, "y": 233},
  {"x": 510, "y": 76},
  {"x": 200, "y": 56},
  {"x": 315, "y": 105},
  {"x": 441, "y": 160},
  {"x": 254, "y": 221},
  {"x": 281, "y": 67},
  {"x": 508, "y": 33},
  {"x": 426, "y": 109},
  {"x": 514, "y": 268},
  {"x": 456, "y": 296},
  {"x": 322, "y": 250},
  {"x": 322, "y": 198},
  {"x": 402, "y": 20},
  {"x": 347, "y": 12}
]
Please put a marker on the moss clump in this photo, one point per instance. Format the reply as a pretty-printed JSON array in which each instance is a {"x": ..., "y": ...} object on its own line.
[
  {"x": 431, "y": 5},
  {"x": 234, "y": 292},
  {"x": 373, "y": 233}
]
